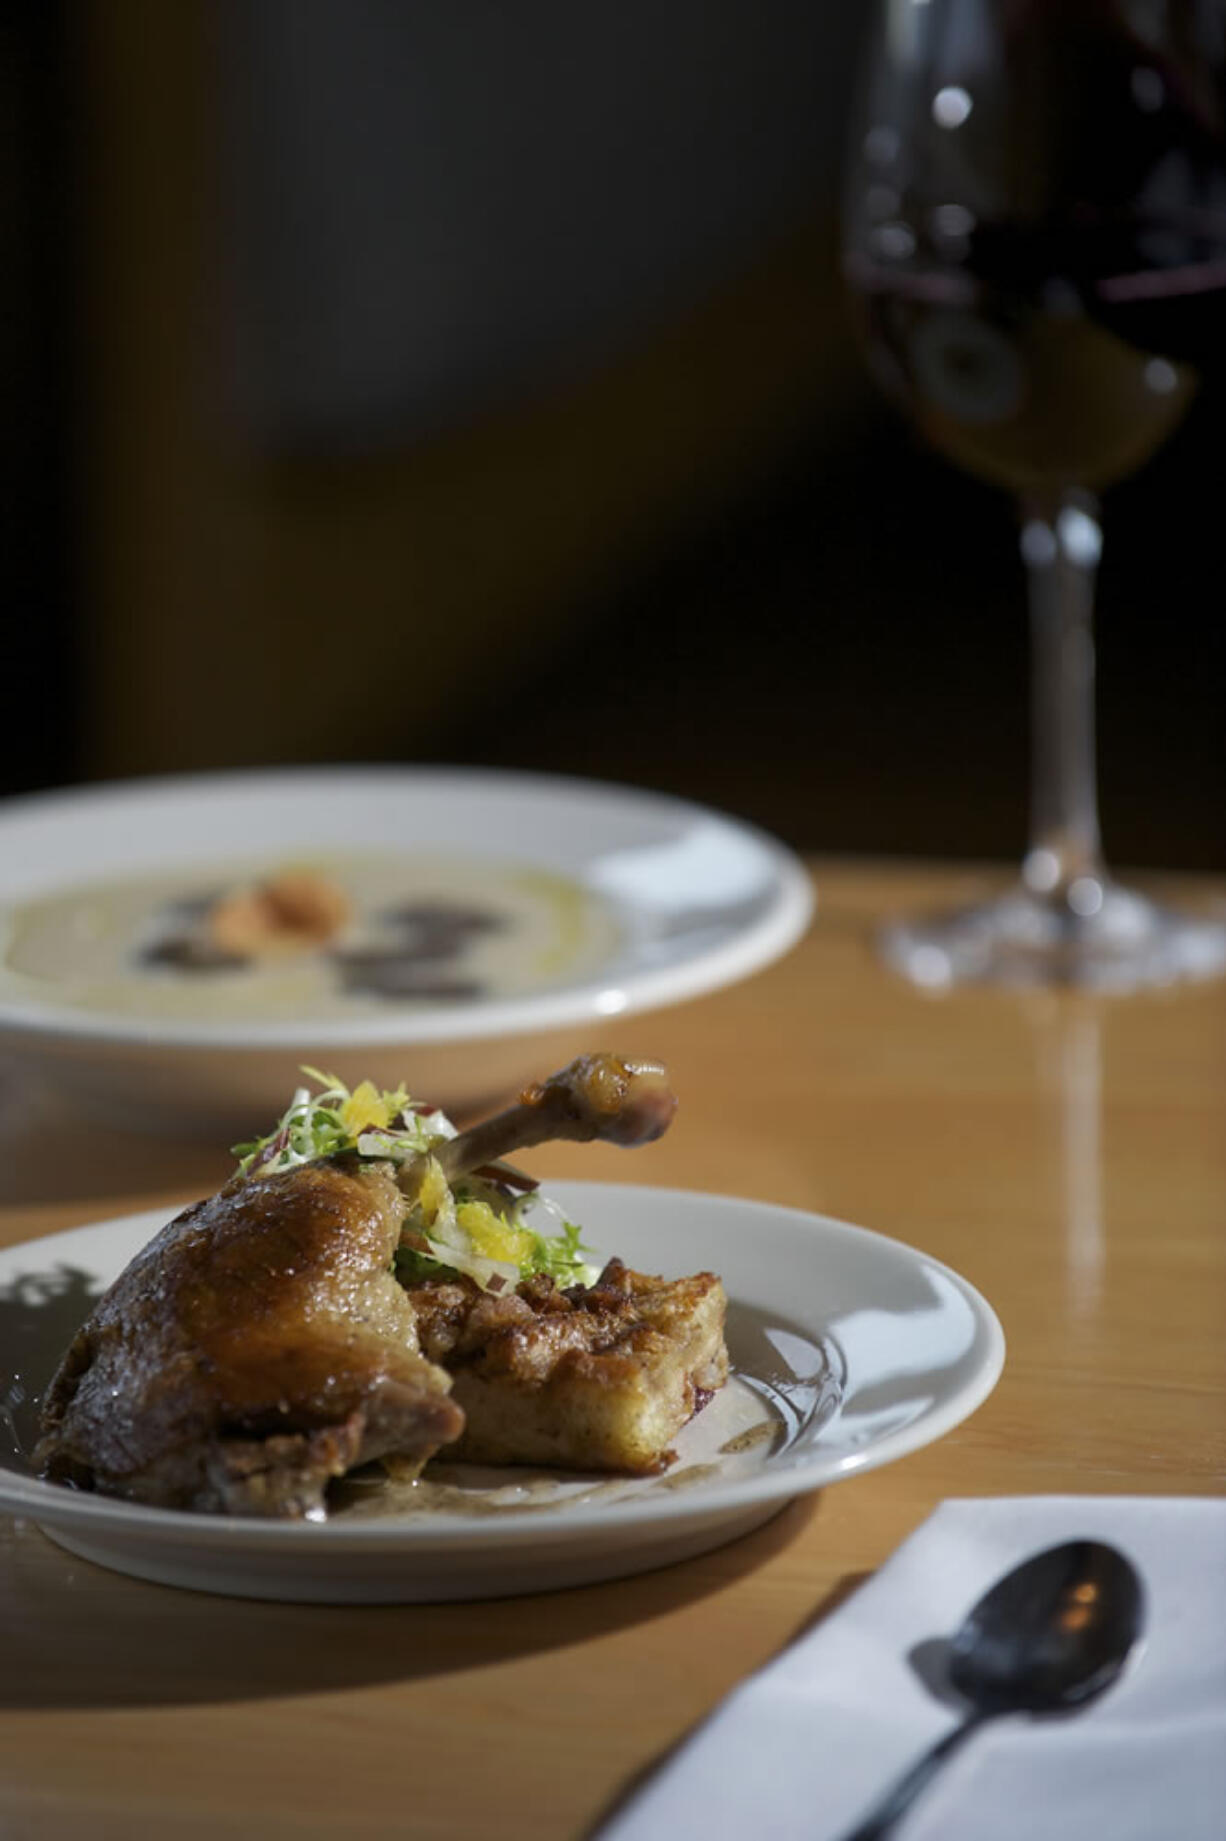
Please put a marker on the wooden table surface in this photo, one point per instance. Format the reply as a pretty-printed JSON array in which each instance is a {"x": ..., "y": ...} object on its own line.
[{"x": 1067, "y": 1155}]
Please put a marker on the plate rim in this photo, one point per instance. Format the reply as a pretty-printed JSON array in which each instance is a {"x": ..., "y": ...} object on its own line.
[
  {"x": 32, "y": 1498},
  {"x": 792, "y": 902}
]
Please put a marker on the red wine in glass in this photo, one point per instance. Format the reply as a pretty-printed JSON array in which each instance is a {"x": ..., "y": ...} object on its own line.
[{"x": 1035, "y": 242}]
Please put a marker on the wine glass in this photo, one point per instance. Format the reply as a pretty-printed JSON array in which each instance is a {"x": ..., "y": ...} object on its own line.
[{"x": 1035, "y": 243}]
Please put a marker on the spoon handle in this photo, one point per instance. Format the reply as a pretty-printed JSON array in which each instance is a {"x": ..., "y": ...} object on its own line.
[{"x": 899, "y": 1798}]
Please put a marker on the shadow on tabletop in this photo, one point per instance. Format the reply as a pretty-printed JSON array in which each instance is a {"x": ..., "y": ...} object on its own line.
[
  {"x": 838, "y": 1595},
  {"x": 77, "y": 1636},
  {"x": 51, "y": 1151}
]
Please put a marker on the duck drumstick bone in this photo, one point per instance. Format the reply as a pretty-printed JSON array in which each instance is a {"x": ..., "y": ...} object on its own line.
[{"x": 597, "y": 1096}]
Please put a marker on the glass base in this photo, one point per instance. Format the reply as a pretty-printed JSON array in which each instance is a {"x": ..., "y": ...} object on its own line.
[{"x": 1022, "y": 938}]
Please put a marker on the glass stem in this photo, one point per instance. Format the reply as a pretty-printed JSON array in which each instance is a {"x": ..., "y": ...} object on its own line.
[{"x": 1061, "y": 543}]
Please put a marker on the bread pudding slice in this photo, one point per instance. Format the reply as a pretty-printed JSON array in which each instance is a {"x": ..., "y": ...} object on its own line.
[{"x": 599, "y": 1377}]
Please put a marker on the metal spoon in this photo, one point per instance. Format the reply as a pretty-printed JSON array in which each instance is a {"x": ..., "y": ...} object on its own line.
[{"x": 1047, "y": 1638}]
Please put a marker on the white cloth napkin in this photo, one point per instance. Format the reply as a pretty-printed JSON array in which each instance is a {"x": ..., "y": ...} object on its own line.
[{"x": 804, "y": 1749}]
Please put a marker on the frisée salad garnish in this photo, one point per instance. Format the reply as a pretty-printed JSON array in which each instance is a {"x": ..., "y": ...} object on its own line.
[{"x": 493, "y": 1226}]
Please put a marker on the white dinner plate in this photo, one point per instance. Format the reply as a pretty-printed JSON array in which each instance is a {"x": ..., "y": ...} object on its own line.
[
  {"x": 849, "y": 1350},
  {"x": 679, "y": 901}
]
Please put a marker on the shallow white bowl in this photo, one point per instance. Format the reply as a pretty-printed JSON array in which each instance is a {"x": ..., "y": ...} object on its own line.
[
  {"x": 849, "y": 1350},
  {"x": 701, "y": 900}
]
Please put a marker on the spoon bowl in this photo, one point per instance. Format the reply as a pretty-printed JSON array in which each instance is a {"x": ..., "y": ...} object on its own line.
[{"x": 1052, "y": 1634}]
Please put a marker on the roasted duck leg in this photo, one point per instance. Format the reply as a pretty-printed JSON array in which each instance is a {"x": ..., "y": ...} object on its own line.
[
  {"x": 262, "y": 1345},
  {"x": 259, "y": 1347}
]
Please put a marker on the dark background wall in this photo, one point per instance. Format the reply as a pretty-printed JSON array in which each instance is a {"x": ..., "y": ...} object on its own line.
[{"x": 380, "y": 391}]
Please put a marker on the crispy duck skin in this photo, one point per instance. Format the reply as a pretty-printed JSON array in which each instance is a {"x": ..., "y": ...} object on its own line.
[{"x": 259, "y": 1347}]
